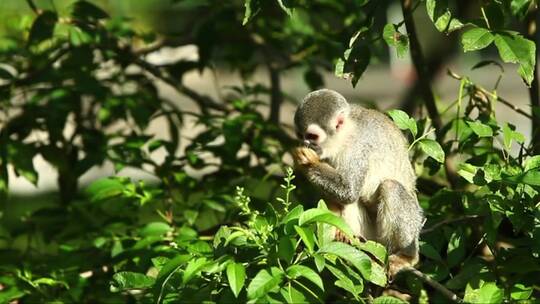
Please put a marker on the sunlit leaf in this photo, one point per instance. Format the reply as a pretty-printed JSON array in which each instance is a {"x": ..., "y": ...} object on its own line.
[
  {"x": 296, "y": 271},
  {"x": 236, "y": 275},
  {"x": 432, "y": 149}
]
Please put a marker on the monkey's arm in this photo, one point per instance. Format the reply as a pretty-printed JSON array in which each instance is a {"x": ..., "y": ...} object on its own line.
[{"x": 342, "y": 188}]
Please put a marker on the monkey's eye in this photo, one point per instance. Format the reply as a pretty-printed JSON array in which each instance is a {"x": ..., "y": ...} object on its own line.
[{"x": 312, "y": 136}]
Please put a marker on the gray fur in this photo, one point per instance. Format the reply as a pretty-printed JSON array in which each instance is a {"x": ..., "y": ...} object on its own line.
[{"x": 366, "y": 164}]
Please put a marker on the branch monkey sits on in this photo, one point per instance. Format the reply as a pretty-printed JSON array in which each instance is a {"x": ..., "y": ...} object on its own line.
[{"x": 359, "y": 160}]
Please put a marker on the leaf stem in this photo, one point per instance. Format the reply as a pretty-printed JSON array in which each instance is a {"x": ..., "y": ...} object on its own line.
[
  {"x": 420, "y": 138},
  {"x": 485, "y": 17},
  {"x": 308, "y": 290}
]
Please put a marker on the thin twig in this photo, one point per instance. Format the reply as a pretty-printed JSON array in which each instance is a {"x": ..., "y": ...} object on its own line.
[
  {"x": 436, "y": 285},
  {"x": 33, "y": 6},
  {"x": 497, "y": 97},
  {"x": 449, "y": 221},
  {"x": 29, "y": 77},
  {"x": 204, "y": 102},
  {"x": 156, "y": 45}
]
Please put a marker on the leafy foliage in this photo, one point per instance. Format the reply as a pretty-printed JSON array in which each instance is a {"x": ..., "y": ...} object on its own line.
[{"x": 217, "y": 224}]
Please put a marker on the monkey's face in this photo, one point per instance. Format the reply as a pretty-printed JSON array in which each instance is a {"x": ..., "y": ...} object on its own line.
[{"x": 320, "y": 117}]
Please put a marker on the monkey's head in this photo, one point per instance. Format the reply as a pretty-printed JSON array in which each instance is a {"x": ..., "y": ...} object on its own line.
[{"x": 320, "y": 117}]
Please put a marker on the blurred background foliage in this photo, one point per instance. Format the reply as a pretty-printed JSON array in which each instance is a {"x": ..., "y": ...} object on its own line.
[{"x": 209, "y": 211}]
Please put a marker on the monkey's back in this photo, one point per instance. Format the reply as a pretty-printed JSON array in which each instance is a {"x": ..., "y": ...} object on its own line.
[{"x": 381, "y": 147}]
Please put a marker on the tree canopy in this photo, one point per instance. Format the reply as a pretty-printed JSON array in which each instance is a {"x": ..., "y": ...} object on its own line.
[{"x": 225, "y": 219}]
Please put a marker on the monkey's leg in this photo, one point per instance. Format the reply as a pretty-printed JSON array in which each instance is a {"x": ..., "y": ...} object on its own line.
[
  {"x": 357, "y": 217},
  {"x": 399, "y": 220}
]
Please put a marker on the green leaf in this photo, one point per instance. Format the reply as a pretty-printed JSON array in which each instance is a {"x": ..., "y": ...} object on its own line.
[
  {"x": 252, "y": 8},
  {"x": 308, "y": 237},
  {"x": 395, "y": 38},
  {"x": 378, "y": 274},
  {"x": 344, "y": 281},
  {"x": 529, "y": 177},
  {"x": 438, "y": 11},
  {"x": 293, "y": 214},
  {"x": 325, "y": 216},
  {"x": 339, "y": 69},
  {"x": 480, "y": 129},
  {"x": 387, "y": 300},
  {"x": 356, "y": 257},
  {"x": 78, "y": 37},
  {"x": 376, "y": 249},
  {"x": 433, "y": 149},
  {"x": 193, "y": 268},
  {"x": 155, "y": 229},
  {"x": 467, "y": 171},
  {"x": 429, "y": 251},
  {"x": 5, "y": 74},
  {"x": 487, "y": 293},
  {"x": 87, "y": 11},
  {"x": 513, "y": 48},
  {"x": 520, "y": 292},
  {"x": 104, "y": 189},
  {"x": 519, "y": 8},
  {"x": 50, "y": 282},
  {"x": 403, "y": 121},
  {"x": 456, "y": 249},
  {"x": 319, "y": 261},
  {"x": 10, "y": 294},
  {"x": 531, "y": 163},
  {"x": 21, "y": 157},
  {"x": 236, "y": 275},
  {"x": 284, "y": 7},
  {"x": 292, "y": 295},
  {"x": 510, "y": 135},
  {"x": 127, "y": 280},
  {"x": 170, "y": 268},
  {"x": 354, "y": 62},
  {"x": 471, "y": 269},
  {"x": 286, "y": 248},
  {"x": 264, "y": 282},
  {"x": 43, "y": 27},
  {"x": 296, "y": 271},
  {"x": 476, "y": 39}
]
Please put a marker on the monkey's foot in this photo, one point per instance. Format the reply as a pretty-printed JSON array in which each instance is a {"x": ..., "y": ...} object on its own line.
[
  {"x": 397, "y": 294},
  {"x": 398, "y": 262},
  {"x": 304, "y": 156}
]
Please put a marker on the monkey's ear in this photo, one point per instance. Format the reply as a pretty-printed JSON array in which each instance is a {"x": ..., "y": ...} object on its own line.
[{"x": 340, "y": 119}]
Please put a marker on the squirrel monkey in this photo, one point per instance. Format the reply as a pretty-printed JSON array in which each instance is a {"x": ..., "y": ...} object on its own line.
[{"x": 359, "y": 160}]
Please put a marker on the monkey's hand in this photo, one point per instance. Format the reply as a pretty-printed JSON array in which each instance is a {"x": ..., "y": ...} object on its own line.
[{"x": 304, "y": 157}]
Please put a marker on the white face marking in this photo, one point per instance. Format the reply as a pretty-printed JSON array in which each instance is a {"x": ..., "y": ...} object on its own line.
[{"x": 315, "y": 129}]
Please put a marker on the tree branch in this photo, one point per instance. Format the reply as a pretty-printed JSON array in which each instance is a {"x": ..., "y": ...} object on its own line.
[
  {"x": 33, "y": 6},
  {"x": 276, "y": 98},
  {"x": 203, "y": 102},
  {"x": 436, "y": 285},
  {"x": 424, "y": 81},
  {"x": 421, "y": 68}
]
